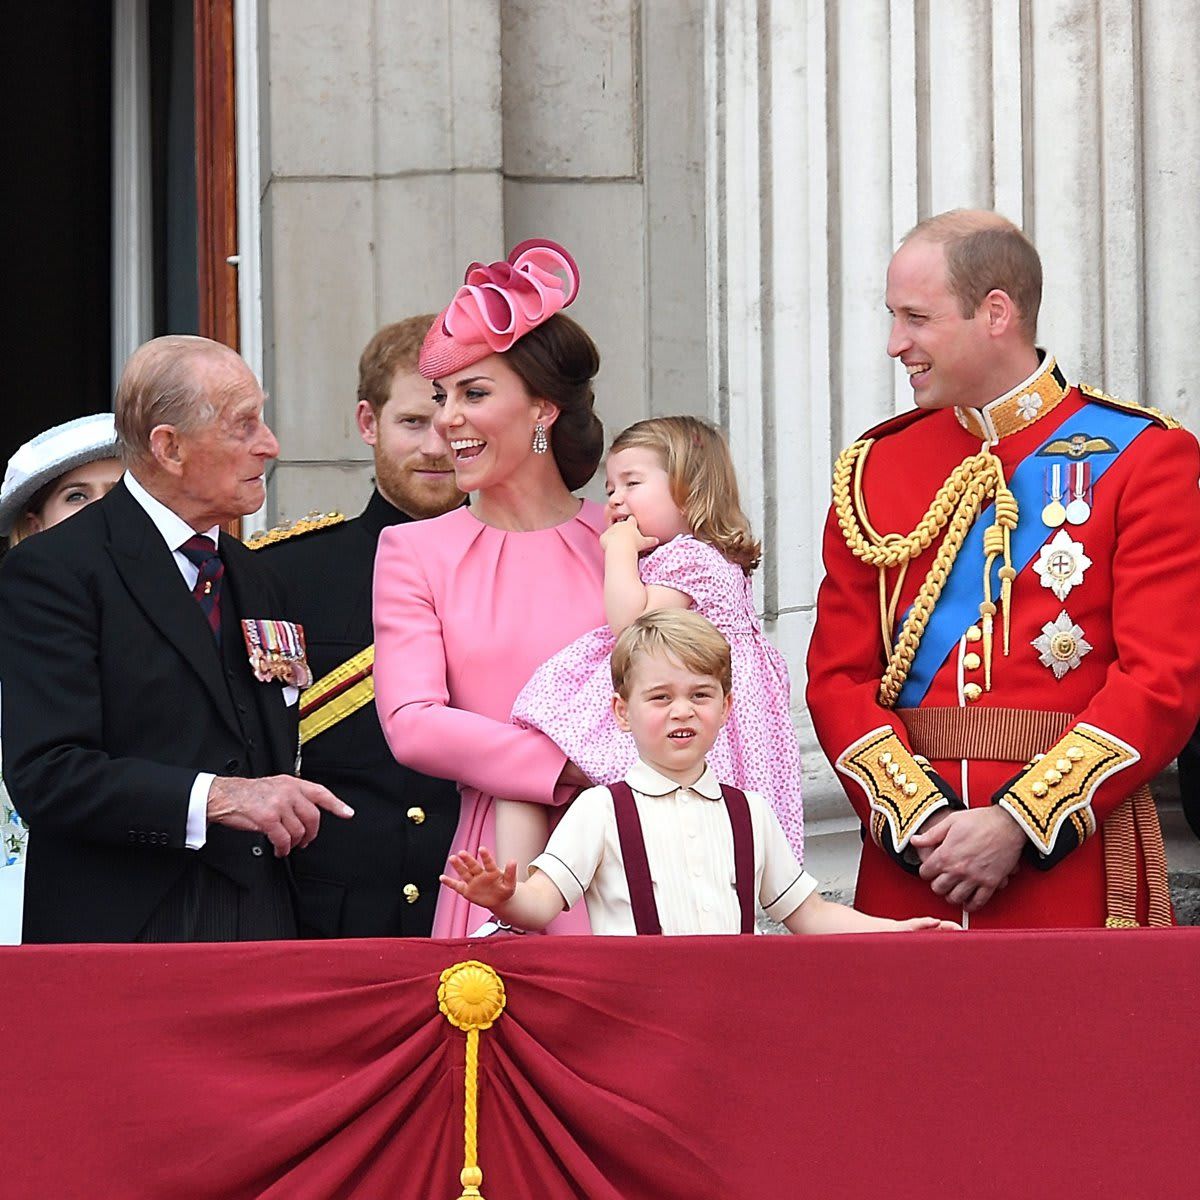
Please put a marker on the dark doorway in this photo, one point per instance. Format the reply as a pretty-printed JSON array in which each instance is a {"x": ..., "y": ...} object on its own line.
[{"x": 56, "y": 209}]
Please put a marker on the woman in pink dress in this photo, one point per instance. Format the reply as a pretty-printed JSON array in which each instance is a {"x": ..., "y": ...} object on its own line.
[{"x": 468, "y": 605}]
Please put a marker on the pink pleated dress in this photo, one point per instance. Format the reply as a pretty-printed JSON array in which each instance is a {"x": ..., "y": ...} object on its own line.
[
  {"x": 569, "y": 697},
  {"x": 464, "y": 613}
]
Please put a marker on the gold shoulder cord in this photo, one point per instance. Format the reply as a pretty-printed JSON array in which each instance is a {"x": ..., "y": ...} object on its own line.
[{"x": 954, "y": 509}]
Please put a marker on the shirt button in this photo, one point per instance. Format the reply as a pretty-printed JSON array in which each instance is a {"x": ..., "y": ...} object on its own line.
[
  {"x": 697, "y": 870},
  {"x": 416, "y": 815}
]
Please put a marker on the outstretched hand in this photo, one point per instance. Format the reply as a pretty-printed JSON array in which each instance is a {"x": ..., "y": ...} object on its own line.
[
  {"x": 625, "y": 533},
  {"x": 480, "y": 879},
  {"x": 915, "y": 924}
]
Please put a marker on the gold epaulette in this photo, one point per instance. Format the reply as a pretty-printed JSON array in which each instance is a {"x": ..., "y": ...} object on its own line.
[
  {"x": 1142, "y": 410},
  {"x": 302, "y": 525}
]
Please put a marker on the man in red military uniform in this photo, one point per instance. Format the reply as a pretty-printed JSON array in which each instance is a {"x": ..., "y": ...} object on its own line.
[{"x": 1005, "y": 649}]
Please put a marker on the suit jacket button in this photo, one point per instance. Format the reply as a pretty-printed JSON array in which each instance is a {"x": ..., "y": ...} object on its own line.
[
  {"x": 256, "y": 851},
  {"x": 416, "y": 815},
  {"x": 412, "y": 893},
  {"x": 232, "y": 764}
]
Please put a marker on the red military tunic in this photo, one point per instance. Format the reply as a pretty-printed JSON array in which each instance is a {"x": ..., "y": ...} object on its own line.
[{"x": 1104, "y": 632}]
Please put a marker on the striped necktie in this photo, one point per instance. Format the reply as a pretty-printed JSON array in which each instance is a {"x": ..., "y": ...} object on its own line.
[{"x": 201, "y": 552}]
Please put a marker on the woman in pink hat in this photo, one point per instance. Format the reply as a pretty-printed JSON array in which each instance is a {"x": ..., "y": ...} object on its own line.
[{"x": 469, "y": 604}]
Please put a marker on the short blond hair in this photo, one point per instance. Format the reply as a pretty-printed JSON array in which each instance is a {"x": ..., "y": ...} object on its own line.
[
  {"x": 702, "y": 480},
  {"x": 676, "y": 632},
  {"x": 985, "y": 252},
  {"x": 172, "y": 380}
]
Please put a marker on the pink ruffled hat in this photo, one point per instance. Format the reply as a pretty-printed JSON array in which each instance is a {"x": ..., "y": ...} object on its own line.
[{"x": 498, "y": 304}]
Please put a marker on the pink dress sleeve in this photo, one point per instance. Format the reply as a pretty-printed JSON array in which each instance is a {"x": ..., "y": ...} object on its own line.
[
  {"x": 688, "y": 565},
  {"x": 422, "y": 729}
]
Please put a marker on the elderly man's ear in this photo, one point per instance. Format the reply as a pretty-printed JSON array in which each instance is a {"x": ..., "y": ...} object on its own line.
[{"x": 166, "y": 447}]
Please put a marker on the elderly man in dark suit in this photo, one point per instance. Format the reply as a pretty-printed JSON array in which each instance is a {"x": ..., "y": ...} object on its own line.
[{"x": 150, "y": 757}]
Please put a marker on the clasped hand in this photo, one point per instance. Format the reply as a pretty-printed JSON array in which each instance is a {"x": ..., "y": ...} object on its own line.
[{"x": 968, "y": 855}]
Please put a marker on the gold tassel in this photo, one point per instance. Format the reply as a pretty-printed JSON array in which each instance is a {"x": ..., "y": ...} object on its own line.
[{"x": 471, "y": 997}]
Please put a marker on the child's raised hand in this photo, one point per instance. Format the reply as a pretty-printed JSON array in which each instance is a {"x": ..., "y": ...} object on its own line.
[
  {"x": 625, "y": 533},
  {"x": 480, "y": 879}
]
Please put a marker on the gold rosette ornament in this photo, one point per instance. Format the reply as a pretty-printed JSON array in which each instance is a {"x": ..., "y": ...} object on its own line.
[{"x": 471, "y": 997}]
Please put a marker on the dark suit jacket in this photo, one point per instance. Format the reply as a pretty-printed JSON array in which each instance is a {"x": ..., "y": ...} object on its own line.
[
  {"x": 351, "y": 880},
  {"x": 114, "y": 696}
]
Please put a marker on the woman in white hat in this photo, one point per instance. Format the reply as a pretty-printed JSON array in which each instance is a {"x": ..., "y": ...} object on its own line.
[{"x": 48, "y": 479}]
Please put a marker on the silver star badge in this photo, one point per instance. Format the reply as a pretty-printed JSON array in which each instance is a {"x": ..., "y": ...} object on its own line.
[
  {"x": 1062, "y": 646},
  {"x": 1061, "y": 564}
]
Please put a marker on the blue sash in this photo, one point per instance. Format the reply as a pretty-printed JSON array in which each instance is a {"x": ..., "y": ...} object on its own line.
[{"x": 958, "y": 606}]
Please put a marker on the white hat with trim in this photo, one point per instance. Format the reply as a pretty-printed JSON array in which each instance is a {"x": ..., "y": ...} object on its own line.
[{"x": 44, "y": 458}]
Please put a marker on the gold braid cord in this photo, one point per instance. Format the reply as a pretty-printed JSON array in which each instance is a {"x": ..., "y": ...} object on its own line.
[
  {"x": 471, "y": 997},
  {"x": 959, "y": 501}
]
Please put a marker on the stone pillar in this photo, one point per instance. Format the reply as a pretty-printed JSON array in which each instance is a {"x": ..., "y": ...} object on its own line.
[{"x": 382, "y": 153}]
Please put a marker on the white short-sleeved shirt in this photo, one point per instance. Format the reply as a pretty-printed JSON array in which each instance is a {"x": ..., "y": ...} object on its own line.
[{"x": 689, "y": 846}]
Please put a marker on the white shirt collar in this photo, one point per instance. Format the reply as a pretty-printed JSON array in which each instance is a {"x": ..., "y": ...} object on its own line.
[
  {"x": 173, "y": 528},
  {"x": 649, "y": 782}
]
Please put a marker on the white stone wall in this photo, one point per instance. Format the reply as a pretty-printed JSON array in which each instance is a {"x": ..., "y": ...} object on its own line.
[
  {"x": 834, "y": 127},
  {"x": 404, "y": 140}
]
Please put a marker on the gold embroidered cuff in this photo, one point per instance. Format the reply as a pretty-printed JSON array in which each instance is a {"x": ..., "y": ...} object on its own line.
[
  {"x": 1058, "y": 788},
  {"x": 898, "y": 789}
]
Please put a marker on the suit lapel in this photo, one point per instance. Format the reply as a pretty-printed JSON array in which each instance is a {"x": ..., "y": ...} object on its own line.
[
  {"x": 251, "y": 598},
  {"x": 149, "y": 572}
]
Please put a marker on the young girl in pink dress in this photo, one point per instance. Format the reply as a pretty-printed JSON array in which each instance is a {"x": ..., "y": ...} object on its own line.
[{"x": 677, "y": 538}]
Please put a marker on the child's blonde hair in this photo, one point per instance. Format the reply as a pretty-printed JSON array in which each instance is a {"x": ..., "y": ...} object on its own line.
[
  {"x": 702, "y": 481},
  {"x": 683, "y": 634}
]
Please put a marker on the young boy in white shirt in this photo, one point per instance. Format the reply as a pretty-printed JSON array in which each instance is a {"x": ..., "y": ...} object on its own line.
[{"x": 670, "y": 850}]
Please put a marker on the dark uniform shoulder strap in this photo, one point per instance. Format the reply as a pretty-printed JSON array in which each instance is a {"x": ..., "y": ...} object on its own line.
[
  {"x": 738, "y": 808},
  {"x": 1156, "y": 415},
  {"x": 637, "y": 866}
]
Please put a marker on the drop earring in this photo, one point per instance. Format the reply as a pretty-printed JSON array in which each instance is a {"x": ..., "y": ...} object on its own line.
[{"x": 541, "y": 443}]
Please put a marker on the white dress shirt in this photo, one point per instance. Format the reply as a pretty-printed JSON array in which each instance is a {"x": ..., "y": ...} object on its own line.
[
  {"x": 175, "y": 531},
  {"x": 689, "y": 846}
]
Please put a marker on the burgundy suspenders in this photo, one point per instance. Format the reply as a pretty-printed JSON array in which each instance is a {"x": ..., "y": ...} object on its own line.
[{"x": 637, "y": 868}]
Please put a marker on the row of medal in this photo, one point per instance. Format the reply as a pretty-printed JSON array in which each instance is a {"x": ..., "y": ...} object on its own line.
[
  {"x": 1070, "y": 482},
  {"x": 1062, "y": 562}
]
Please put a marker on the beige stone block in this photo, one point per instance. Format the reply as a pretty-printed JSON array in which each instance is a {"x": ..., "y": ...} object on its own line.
[
  {"x": 320, "y": 275},
  {"x": 429, "y": 228},
  {"x": 318, "y": 88},
  {"x": 570, "y": 88},
  {"x": 601, "y": 225},
  {"x": 300, "y": 488},
  {"x": 437, "y": 67}
]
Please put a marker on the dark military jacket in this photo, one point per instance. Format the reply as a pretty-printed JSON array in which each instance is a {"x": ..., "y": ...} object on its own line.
[{"x": 375, "y": 875}]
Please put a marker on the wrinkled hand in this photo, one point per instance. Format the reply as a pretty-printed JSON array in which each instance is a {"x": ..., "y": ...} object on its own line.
[
  {"x": 625, "y": 533},
  {"x": 286, "y": 809},
  {"x": 480, "y": 879},
  {"x": 970, "y": 854}
]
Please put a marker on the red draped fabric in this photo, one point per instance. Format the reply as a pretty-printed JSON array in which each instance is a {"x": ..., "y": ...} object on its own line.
[{"x": 1006, "y": 1064}]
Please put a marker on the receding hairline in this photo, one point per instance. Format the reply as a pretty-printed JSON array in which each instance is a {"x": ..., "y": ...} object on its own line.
[{"x": 958, "y": 223}]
